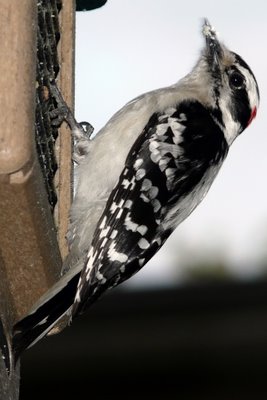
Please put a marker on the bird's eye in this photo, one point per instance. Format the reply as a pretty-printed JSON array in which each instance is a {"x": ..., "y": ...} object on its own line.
[{"x": 236, "y": 80}]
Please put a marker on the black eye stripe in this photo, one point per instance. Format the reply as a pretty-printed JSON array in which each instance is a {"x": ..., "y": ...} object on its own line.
[
  {"x": 240, "y": 102},
  {"x": 243, "y": 64}
]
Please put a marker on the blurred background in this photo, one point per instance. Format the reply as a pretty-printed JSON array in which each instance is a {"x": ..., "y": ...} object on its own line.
[{"x": 193, "y": 323}]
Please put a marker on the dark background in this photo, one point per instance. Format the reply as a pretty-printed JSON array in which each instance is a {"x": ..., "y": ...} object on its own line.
[{"x": 202, "y": 341}]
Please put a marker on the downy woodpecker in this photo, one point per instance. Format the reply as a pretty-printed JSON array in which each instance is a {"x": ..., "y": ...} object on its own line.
[{"x": 141, "y": 176}]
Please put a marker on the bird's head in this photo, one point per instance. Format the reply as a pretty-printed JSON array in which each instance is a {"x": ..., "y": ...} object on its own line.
[{"x": 230, "y": 85}]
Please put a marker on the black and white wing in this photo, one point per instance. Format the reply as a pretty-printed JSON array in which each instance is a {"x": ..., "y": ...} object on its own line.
[{"x": 166, "y": 174}]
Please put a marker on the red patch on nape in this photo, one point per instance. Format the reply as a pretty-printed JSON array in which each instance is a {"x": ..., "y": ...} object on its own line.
[{"x": 253, "y": 115}]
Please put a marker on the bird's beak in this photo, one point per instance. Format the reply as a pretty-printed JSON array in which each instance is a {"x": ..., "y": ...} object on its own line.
[{"x": 214, "y": 50}]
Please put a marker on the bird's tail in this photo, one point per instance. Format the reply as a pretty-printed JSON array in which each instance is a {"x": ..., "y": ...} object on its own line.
[{"x": 44, "y": 316}]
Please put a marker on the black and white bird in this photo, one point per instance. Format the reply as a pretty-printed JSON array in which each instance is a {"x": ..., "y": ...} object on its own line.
[{"x": 141, "y": 176}]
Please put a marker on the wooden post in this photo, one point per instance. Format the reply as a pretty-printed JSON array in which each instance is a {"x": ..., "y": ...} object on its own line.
[{"x": 66, "y": 52}]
